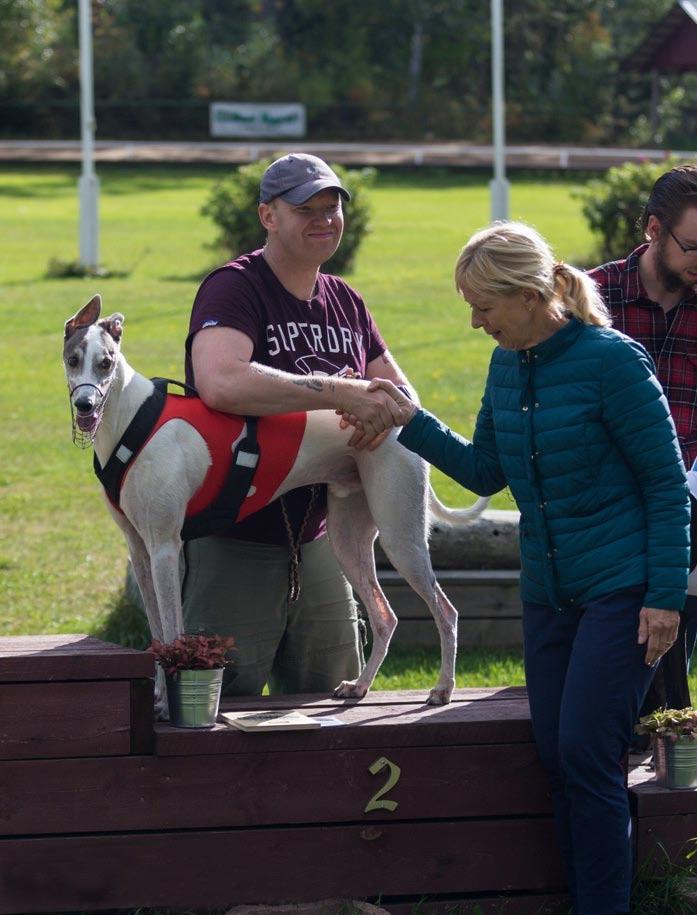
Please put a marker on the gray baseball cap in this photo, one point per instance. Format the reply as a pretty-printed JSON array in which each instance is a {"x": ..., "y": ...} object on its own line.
[{"x": 297, "y": 177}]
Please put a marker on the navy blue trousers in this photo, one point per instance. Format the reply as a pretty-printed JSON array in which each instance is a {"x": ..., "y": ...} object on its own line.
[{"x": 586, "y": 679}]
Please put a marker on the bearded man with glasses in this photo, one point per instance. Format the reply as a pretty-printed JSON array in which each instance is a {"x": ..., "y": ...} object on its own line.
[{"x": 652, "y": 296}]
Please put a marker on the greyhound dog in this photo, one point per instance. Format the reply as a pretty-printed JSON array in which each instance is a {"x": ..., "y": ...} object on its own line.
[{"x": 384, "y": 490}]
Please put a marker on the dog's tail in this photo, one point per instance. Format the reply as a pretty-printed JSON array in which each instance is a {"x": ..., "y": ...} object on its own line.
[{"x": 454, "y": 516}]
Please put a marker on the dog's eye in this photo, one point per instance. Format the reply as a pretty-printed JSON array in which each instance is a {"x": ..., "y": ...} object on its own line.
[
  {"x": 105, "y": 363},
  {"x": 73, "y": 361}
]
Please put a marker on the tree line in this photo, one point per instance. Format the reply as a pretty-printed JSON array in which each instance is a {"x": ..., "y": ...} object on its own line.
[{"x": 365, "y": 69}]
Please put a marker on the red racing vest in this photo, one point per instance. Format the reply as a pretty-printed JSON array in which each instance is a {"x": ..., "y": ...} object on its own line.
[{"x": 210, "y": 510}]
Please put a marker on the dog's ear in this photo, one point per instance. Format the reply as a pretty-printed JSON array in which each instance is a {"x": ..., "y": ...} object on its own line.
[
  {"x": 114, "y": 325},
  {"x": 85, "y": 317}
]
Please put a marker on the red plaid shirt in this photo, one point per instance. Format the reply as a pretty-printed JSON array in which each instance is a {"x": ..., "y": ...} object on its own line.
[{"x": 671, "y": 340}]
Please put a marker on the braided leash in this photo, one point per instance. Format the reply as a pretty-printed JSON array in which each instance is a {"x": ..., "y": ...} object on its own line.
[{"x": 295, "y": 542}]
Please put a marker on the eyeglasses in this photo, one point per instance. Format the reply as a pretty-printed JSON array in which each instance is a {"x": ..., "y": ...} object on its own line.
[{"x": 691, "y": 249}]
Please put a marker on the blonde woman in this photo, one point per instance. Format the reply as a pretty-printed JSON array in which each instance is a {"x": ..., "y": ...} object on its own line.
[{"x": 574, "y": 421}]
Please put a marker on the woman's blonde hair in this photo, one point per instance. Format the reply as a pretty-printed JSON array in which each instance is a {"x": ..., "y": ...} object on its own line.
[{"x": 510, "y": 257}]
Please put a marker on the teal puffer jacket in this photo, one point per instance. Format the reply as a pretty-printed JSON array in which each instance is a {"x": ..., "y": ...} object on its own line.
[{"x": 579, "y": 429}]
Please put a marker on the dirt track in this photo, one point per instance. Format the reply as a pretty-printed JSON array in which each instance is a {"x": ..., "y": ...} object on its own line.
[{"x": 445, "y": 154}]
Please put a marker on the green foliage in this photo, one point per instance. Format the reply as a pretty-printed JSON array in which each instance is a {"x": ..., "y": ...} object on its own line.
[
  {"x": 125, "y": 624},
  {"x": 232, "y": 205},
  {"x": 193, "y": 652},
  {"x": 58, "y": 269},
  {"x": 664, "y": 885},
  {"x": 614, "y": 203},
  {"x": 394, "y": 69},
  {"x": 670, "y": 722},
  {"x": 33, "y": 37}
]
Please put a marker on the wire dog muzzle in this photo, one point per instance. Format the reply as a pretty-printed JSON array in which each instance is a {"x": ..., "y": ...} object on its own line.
[{"x": 84, "y": 438}]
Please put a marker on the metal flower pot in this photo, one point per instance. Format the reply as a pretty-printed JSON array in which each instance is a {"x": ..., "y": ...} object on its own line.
[
  {"x": 676, "y": 762},
  {"x": 194, "y": 697}
]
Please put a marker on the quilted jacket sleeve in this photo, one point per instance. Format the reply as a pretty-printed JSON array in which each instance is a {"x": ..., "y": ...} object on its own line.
[
  {"x": 636, "y": 413},
  {"x": 475, "y": 465}
]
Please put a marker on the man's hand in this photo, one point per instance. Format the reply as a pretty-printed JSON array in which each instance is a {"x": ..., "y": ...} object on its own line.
[
  {"x": 369, "y": 409},
  {"x": 658, "y": 630}
]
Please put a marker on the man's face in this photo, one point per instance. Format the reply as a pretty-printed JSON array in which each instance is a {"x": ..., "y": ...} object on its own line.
[
  {"x": 675, "y": 267},
  {"x": 310, "y": 232}
]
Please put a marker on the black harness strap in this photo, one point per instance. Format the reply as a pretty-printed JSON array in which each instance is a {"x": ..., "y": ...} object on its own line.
[
  {"x": 132, "y": 440},
  {"x": 221, "y": 514},
  {"x": 216, "y": 518}
]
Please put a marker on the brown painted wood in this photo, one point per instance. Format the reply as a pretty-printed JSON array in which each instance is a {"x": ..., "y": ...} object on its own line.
[
  {"x": 660, "y": 836},
  {"x": 69, "y": 657},
  {"x": 262, "y": 789},
  {"x": 474, "y": 600},
  {"x": 518, "y": 904},
  {"x": 218, "y": 868},
  {"x": 142, "y": 716},
  {"x": 487, "y": 632},
  {"x": 649, "y": 799},
  {"x": 48, "y": 720},
  {"x": 476, "y": 721},
  {"x": 375, "y": 697}
]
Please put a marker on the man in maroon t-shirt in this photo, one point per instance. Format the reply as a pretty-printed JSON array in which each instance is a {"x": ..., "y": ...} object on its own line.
[
  {"x": 271, "y": 334},
  {"x": 651, "y": 297}
]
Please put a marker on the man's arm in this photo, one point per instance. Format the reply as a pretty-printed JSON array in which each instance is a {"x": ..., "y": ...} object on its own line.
[
  {"x": 227, "y": 380},
  {"x": 386, "y": 367}
]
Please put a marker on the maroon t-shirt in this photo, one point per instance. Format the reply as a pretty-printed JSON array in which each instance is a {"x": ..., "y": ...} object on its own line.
[{"x": 331, "y": 333}]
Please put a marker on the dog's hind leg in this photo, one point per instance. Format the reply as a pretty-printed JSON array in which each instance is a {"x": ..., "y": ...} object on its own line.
[
  {"x": 352, "y": 531},
  {"x": 417, "y": 571},
  {"x": 396, "y": 489}
]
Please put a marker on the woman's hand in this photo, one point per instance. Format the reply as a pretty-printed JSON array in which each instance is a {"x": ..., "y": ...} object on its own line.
[
  {"x": 658, "y": 630},
  {"x": 407, "y": 407}
]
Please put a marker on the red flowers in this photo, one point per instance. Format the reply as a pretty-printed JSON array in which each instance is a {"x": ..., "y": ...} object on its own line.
[{"x": 193, "y": 652}]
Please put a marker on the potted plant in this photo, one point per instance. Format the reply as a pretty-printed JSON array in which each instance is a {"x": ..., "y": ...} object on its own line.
[
  {"x": 193, "y": 666},
  {"x": 674, "y": 735}
]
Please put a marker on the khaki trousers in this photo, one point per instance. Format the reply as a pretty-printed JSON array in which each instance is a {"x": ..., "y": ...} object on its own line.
[{"x": 237, "y": 588}]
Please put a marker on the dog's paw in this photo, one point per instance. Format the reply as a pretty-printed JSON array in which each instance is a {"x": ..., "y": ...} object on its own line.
[
  {"x": 161, "y": 709},
  {"x": 439, "y": 695},
  {"x": 350, "y": 689}
]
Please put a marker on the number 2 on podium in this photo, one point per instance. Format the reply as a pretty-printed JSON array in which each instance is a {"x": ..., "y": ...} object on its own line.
[{"x": 376, "y": 802}]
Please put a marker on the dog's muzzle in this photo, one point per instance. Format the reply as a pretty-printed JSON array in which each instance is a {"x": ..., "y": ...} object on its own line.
[{"x": 86, "y": 412}]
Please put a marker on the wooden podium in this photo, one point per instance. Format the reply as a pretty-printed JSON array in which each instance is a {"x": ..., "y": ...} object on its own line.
[{"x": 424, "y": 809}]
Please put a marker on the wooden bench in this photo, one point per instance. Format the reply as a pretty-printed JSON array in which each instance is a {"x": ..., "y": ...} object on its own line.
[
  {"x": 390, "y": 800},
  {"x": 490, "y": 614}
]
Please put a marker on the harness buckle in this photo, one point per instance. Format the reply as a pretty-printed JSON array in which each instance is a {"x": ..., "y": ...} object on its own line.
[{"x": 246, "y": 459}]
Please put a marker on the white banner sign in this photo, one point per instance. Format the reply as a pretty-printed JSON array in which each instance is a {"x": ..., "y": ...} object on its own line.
[{"x": 244, "y": 119}]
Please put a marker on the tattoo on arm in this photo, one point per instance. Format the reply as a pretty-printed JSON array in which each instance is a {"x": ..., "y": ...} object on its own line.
[
  {"x": 313, "y": 382},
  {"x": 263, "y": 370},
  {"x": 309, "y": 381}
]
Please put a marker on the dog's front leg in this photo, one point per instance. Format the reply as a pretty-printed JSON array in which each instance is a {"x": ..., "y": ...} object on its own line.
[
  {"x": 143, "y": 576},
  {"x": 164, "y": 568}
]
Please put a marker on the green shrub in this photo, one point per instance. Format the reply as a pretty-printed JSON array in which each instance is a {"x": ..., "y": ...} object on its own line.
[
  {"x": 232, "y": 205},
  {"x": 613, "y": 204}
]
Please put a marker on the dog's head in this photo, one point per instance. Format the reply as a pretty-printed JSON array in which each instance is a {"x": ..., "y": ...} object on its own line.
[{"x": 91, "y": 351}]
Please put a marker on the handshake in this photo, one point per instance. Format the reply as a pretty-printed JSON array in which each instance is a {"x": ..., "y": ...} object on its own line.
[{"x": 373, "y": 408}]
